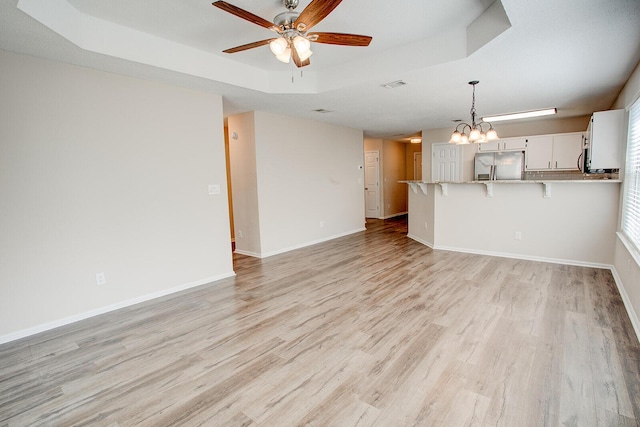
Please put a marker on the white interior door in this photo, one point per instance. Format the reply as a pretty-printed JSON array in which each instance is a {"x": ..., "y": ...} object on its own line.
[
  {"x": 446, "y": 162},
  {"x": 417, "y": 166},
  {"x": 372, "y": 184}
]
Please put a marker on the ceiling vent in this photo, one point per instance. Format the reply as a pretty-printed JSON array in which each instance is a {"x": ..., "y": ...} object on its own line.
[
  {"x": 393, "y": 85},
  {"x": 322, "y": 111}
]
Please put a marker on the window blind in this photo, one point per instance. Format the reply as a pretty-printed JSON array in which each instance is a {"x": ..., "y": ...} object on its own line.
[{"x": 631, "y": 203}]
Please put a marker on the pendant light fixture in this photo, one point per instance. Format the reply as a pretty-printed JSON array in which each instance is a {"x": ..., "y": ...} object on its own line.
[{"x": 476, "y": 132}]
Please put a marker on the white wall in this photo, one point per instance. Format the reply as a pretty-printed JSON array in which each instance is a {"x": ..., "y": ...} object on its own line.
[
  {"x": 309, "y": 185},
  {"x": 627, "y": 261},
  {"x": 576, "y": 225},
  {"x": 242, "y": 156},
  {"x": 103, "y": 173},
  {"x": 421, "y": 215}
]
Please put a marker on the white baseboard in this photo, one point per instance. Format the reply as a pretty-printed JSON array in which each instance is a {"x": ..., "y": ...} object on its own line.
[
  {"x": 525, "y": 257},
  {"x": 314, "y": 242},
  {"x": 247, "y": 253},
  {"x": 419, "y": 240},
  {"x": 633, "y": 316},
  {"x": 127, "y": 303},
  {"x": 394, "y": 215}
]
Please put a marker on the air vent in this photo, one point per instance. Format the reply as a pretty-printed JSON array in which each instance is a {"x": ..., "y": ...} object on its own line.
[
  {"x": 323, "y": 111},
  {"x": 393, "y": 85}
]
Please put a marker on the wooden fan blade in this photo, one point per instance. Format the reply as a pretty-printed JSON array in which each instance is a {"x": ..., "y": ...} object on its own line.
[
  {"x": 296, "y": 59},
  {"x": 315, "y": 12},
  {"x": 340, "y": 38},
  {"x": 247, "y": 46},
  {"x": 241, "y": 13}
]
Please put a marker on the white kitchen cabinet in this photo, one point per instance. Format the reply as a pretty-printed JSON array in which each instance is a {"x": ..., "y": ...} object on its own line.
[
  {"x": 554, "y": 152},
  {"x": 539, "y": 152},
  {"x": 519, "y": 143},
  {"x": 566, "y": 150},
  {"x": 488, "y": 146},
  {"x": 506, "y": 144}
]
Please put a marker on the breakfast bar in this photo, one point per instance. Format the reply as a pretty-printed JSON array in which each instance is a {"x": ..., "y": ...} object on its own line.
[{"x": 571, "y": 221}]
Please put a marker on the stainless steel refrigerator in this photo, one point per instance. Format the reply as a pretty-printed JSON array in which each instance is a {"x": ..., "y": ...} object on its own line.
[{"x": 505, "y": 165}]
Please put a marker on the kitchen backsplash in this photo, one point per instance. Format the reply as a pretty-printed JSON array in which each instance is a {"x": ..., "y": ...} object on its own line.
[{"x": 567, "y": 175}]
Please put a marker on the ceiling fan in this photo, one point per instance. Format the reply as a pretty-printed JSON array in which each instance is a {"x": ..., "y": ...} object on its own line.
[{"x": 293, "y": 40}]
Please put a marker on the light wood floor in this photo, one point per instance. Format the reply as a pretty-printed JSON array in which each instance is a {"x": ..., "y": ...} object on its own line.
[{"x": 369, "y": 329}]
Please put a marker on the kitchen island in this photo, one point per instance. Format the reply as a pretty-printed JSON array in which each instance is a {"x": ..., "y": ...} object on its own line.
[{"x": 571, "y": 221}]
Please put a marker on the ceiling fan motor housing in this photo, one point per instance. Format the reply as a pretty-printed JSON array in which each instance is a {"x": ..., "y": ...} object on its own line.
[
  {"x": 290, "y": 4},
  {"x": 286, "y": 19}
]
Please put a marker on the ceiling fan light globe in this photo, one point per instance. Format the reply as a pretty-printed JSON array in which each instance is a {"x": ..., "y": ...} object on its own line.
[
  {"x": 301, "y": 44},
  {"x": 305, "y": 56},
  {"x": 285, "y": 56},
  {"x": 278, "y": 46}
]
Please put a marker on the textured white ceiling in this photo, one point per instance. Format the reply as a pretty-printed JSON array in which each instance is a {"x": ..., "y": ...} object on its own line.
[{"x": 570, "y": 54}]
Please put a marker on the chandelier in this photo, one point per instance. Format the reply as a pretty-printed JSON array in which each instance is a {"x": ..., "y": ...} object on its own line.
[{"x": 474, "y": 132}]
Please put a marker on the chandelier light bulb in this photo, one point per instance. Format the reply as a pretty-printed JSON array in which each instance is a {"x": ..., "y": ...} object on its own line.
[
  {"x": 492, "y": 134},
  {"x": 474, "y": 135},
  {"x": 455, "y": 137},
  {"x": 464, "y": 139},
  {"x": 278, "y": 46}
]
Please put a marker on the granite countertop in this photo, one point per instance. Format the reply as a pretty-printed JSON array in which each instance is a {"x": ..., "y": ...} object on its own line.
[{"x": 519, "y": 181}]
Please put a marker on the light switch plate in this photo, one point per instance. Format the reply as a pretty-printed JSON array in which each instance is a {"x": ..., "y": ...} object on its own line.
[{"x": 214, "y": 189}]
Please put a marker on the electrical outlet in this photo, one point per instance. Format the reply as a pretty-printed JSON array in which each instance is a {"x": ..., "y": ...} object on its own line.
[
  {"x": 321, "y": 224},
  {"x": 214, "y": 189},
  {"x": 518, "y": 235},
  {"x": 100, "y": 279}
]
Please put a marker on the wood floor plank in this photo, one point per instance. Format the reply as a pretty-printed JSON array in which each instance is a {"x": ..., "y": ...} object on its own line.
[
  {"x": 371, "y": 329},
  {"x": 608, "y": 379},
  {"x": 577, "y": 399}
]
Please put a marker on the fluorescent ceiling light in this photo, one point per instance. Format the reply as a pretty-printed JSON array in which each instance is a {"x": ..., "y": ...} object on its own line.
[{"x": 524, "y": 115}]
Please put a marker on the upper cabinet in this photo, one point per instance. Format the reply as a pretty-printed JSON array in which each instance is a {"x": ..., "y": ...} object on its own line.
[
  {"x": 539, "y": 153},
  {"x": 554, "y": 152},
  {"x": 543, "y": 152},
  {"x": 606, "y": 134},
  {"x": 504, "y": 144}
]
